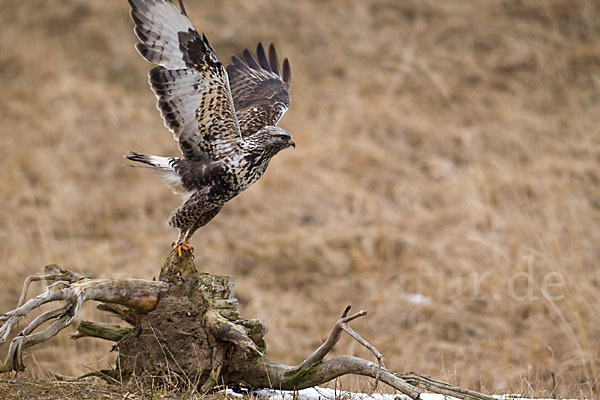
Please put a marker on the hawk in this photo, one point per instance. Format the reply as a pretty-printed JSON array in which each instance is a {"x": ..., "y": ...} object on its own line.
[{"x": 223, "y": 118}]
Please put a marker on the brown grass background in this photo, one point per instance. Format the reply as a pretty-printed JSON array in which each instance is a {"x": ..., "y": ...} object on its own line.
[{"x": 439, "y": 144}]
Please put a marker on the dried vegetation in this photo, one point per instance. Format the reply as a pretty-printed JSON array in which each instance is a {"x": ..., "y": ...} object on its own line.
[{"x": 443, "y": 147}]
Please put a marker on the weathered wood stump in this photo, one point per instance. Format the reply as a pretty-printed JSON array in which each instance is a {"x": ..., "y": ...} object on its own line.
[
  {"x": 186, "y": 330},
  {"x": 195, "y": 333}
]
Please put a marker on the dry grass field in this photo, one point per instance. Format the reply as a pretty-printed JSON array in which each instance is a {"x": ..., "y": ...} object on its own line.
[{"x": 446, "y": 179}]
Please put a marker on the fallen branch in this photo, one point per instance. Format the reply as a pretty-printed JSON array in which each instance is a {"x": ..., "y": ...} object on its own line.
[
  {"x": 431, "y": 385},
  {"x": 334, "y": 337},
  {"x": 101, "y": 330},
  {"x": 313, "y": 371},
  {"x": 321, "y": 393},
  {"x": 74, "y": 289},
  {"x": 54, "y": 273}
]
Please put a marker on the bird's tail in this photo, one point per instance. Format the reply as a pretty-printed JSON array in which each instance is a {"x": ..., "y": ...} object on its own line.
[
  {"x": 154, "y": 162},
  {"x": 165, "y": 169}
]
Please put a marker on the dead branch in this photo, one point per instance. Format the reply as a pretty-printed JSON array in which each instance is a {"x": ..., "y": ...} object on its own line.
[
  {"x": 434, "y": 386},
  {"x": 74, "y": 289},
  {"x": 101, "y": 330},
  {"x": 224, "y": 330},
  {"x": 342, "y": 325},
  {"x": 334, "y": 337},
  {"x": 314, "y": 371},
  {"x": 54, "y": 273}
]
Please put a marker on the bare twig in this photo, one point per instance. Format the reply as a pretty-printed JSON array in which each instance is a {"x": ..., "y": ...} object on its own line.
[
  {"x": 435, "y": 386},
  {"x": 11, "y": 318},
  {"x": 48, "y": 315},
  {"x": 53, "y": 273},
  {"x": 14, "y": 358},
  {"x": 101, "y": 330},
  {"x": 333, "y": 338}
]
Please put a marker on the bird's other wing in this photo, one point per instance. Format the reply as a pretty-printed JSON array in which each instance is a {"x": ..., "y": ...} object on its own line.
[
  {"x": 259, "y": 88},
  {"x": 190, "y": 82}
]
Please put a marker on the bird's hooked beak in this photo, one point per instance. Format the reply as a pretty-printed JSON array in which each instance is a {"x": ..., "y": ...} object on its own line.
[{"x": 292, "y": 143}]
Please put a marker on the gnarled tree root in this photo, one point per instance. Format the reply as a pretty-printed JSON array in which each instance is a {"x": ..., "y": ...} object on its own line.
[
  {"x": 188, "y": 327},
  {"x": 74, "y": 289}
]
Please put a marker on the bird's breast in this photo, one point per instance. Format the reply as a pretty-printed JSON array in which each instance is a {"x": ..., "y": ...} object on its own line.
[{"x": 247, "y": 172}]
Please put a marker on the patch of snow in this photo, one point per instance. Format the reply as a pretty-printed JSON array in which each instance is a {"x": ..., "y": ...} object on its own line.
[
  {"x": 231, "y": 393},
  {"x": 418, "y": 298},
  {"x": 318, "y": 393}
]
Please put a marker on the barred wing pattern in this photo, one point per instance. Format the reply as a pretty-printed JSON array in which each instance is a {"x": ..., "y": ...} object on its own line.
[
  {"x": 190, "y": 82},
  {"x": 260, "y": 89}
]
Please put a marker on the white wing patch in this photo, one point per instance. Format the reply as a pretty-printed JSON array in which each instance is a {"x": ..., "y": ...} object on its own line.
[
  {"x": 157, "y": 25},
  {"x": 179, "y": 94}
]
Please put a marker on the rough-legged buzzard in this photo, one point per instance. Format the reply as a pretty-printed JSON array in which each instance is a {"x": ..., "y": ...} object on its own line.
[{"x": 223, "y": 118}]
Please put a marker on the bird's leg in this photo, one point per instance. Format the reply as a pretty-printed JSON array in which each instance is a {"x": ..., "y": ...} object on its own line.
[
  {"x": 207, "y": 215},
  {"x": 182, "y": 245},
  {"x": 188, "y": 247}
]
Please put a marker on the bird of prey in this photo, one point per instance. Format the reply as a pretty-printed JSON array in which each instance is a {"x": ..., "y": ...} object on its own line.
[{"x": 224, "y": 118}]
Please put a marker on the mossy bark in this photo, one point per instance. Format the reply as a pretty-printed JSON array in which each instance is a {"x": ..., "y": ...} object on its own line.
[
  {"x": 101, "y": 330},
  {"x": 196, "y": 319}
]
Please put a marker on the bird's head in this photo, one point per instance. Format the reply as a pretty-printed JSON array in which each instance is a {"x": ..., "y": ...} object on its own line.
[{"x": 274, "y": 139}]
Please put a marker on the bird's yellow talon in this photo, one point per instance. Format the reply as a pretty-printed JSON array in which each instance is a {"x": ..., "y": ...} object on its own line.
[{"x": 184, "y": 246}]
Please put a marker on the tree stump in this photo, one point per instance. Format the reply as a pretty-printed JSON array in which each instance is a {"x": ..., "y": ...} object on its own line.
[
  {"x": 187, "y": 331},
  {"x": 195, "y": 333}
]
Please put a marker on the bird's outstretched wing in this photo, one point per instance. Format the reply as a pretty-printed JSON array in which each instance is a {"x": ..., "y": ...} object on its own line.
[
  {"x": 190, "y": 82},
  {"x": 260, "y": 89}
]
